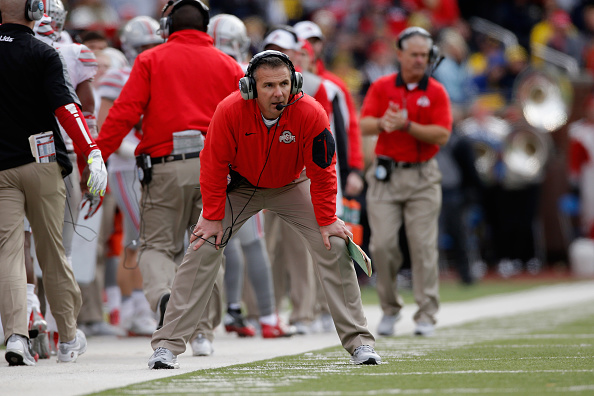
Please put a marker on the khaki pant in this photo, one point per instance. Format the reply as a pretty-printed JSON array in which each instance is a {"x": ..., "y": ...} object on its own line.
[
  {"x": 37, "y": 191},
  {"x": 412, "y": 195},
  {"x": 213, "y": 313},
  {"x": 196, "y": 275},
  {"x": 169, "y": 206},
  {"x": 292, "y": 268}
]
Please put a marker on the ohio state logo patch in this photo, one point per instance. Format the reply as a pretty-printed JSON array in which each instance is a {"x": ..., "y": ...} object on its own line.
[
  {"x": 287, "y": 137},
  {"x": 423, "y": 101}
]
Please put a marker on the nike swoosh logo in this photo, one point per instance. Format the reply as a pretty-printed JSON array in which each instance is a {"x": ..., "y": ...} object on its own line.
[{"x": 248, "y": 134}]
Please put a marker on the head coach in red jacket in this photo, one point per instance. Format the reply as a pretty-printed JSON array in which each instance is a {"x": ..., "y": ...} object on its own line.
[
  {"x": 410, "y": 111},
  {"x": 175, "y": 87},
  {"x": 263, "y": 137}
]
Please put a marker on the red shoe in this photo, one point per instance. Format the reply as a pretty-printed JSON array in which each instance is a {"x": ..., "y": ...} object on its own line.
[
  {"x": 280, "y": 330},
  {"x": 114, "y": 317},
  {"x": 234, "y": 322}
]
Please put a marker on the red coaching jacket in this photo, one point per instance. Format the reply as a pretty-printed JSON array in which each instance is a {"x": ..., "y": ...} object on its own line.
[
  {"x": 177, "y": 86},
  {"x": 269, "y": 158}
]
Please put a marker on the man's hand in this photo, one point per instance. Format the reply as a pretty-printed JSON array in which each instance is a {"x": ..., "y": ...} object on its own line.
[
  {"x": 205, "y": 229},
  {"x": 97, "y": 180},
  {"x": 393, "y": 119},
  {"x": 338, "y": 228},
  {"x": 86, "y": 173},
  {"x": 94, "y": 202},
  {"x": 354, "y": 185}
]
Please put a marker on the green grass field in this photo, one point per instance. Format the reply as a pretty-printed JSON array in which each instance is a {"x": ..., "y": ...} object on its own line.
[
  {"x": 530, "y": 354},
  {"x": 452, "y": 291}
]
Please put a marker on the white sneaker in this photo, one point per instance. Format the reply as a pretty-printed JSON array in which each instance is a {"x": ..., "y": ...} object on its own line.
[
  {"x": 18, "y": 351},
  {"x": 365, "y": 354},
  {"x": 387, "y": 324},
  {"x": 327, "y": 323},
  {"x": 69, "y": 351},
  {"x": 143, "y": 322},
  {"x": 301, "y": 328},
  {"x": 162, "y": 358},
  {"x": 201, "y": 346},
  {"x": 127, "y": 315},
  {"x": 143, "y": 325},
  {"x": 102, "y": 328},
  {"x": 424, "y": 329}
]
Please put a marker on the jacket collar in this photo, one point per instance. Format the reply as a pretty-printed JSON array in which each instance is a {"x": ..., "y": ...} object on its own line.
[
  {"x": 16, "y": 26},
  {"x": 422, "y": 84},
  {"x": 193, "y": 35}
]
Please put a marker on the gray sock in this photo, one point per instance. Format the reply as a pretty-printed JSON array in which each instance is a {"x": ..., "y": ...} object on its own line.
[
  {"x": 258, "y": 268},
  {"x": 233, "y": 272}
]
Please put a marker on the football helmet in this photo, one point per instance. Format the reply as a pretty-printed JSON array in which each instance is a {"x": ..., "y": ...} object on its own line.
[
  {"x": 138, "y": 32},
  {"x": 55, "y": 9},
  {"x": 230, "y": 35}
]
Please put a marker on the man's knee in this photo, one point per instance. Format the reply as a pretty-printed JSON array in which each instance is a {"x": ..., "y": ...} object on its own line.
[{"x": 384, "y": 240}]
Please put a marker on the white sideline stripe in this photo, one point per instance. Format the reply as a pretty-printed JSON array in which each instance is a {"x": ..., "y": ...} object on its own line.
[
  {"x": 480, "y": 372},
  {"x": 416, "y": 359},
  {"x": 533, "y": 346},
  {"x": 455, "y": 391}
]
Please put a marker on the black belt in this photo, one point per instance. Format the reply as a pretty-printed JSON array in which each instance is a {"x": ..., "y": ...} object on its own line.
[
  {"x": 391, "y": 164},
  {"x": 406, "y": 165},
  {"x": 174, "y": 157}
]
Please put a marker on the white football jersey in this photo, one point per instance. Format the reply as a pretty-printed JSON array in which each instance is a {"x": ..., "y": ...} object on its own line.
[{"x": 110, "y": 87}]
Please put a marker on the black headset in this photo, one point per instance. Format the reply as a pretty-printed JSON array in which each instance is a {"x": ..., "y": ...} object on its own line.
[
  {"x": 247, "y": 84},
  {"x": 34, "y": 10},
  {"x": 418, "y": 31},
  {"x": 166, "y": 22}
]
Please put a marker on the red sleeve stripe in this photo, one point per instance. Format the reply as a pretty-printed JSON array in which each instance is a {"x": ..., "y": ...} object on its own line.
[{"x": 74, "y": 111}]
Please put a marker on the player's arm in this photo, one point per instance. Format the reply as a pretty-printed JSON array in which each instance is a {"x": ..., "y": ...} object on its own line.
[{"x": 84, "y": 91}]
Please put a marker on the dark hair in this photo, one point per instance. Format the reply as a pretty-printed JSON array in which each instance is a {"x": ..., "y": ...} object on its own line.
[
  {"x": 271, "y": 62},
  {"x": 187, "y": 16}
]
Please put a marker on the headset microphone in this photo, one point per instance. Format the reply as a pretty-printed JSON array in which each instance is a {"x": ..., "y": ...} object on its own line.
[{"x": 279, "y": 106}]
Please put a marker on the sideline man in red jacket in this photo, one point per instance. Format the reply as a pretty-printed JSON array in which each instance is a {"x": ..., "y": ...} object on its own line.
[
  {"x": 267, "y": 142},
  {"x": 176, "y": 86},
  {"x": 410, "y": 112}
]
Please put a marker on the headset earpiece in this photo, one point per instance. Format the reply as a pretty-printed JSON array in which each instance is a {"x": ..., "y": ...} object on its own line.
[
  {"x": 433, "y": 53},
  {"x": 166, "y": 22},
  {"x": 34, "y": 10},
  {"x": 247, "y": 84},
  {"x": 296, "y": 83},
  {"x": 247, "y": 88}
]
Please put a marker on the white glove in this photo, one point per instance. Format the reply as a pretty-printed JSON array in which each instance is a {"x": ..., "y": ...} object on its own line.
[{"x": 98, "y": 178}]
